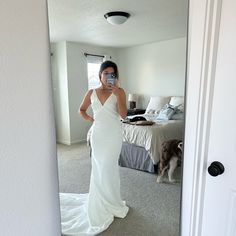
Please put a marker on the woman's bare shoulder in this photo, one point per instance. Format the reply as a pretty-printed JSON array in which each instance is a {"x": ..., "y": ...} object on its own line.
[{"x": 89, "y": 92}]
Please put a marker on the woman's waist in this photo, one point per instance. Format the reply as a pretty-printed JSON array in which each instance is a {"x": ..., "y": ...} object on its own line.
[
  {"x": 111, "y": 119},
  {"x": 107, "y": 125}
]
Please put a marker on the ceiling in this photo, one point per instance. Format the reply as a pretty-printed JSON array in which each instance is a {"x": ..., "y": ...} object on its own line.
[{"x": 150, "y": 21}]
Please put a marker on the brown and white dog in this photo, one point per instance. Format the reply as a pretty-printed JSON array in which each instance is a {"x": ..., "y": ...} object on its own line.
[{"x": 171, "y": 153}]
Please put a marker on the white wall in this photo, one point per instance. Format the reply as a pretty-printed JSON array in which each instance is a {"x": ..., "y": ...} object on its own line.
[
  {"x": 153, "y": 69},
  {"x": 77, "y": 82},
  {"x": 150, "y": 69},
  {"x": 29, "y": 202},
  {"x": 60, "y": 91}
]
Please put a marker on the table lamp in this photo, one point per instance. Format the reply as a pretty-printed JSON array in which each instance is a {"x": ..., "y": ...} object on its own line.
[{"x": 132, "y": 101}]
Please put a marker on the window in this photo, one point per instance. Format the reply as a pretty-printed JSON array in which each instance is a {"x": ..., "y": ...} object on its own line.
[
  {"x": 93, "y": 66},
  {"x": 93, "y": 77}
]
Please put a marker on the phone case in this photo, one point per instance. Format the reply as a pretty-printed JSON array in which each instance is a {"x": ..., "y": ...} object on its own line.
[{"x": 111, "y": 79}]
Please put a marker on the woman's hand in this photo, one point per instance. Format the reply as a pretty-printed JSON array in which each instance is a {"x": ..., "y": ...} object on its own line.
[{"x": 115, "y": 90}]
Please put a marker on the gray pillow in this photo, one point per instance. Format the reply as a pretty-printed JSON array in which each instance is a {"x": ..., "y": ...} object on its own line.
[
  {"x": 167, "y": 112},
  {"x": 178, "y": 116}
]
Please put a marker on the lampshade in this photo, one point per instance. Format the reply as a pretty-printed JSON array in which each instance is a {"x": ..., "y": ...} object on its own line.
[
  {"x": 132, "y": 97},
  {"x": 117, "y": 17}
]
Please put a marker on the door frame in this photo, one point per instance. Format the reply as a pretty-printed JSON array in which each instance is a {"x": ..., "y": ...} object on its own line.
[{"x": 203, "y": 35}]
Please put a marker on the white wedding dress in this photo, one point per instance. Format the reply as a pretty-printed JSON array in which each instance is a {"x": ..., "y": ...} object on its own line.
[{"x": 92, "y": 213}]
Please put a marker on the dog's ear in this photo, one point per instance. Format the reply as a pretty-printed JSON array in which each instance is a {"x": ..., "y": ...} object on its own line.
[{"x": 180, "y": 145}]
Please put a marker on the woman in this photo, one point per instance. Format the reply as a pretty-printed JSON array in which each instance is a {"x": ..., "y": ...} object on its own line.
[{"x": 92, "y": 213}]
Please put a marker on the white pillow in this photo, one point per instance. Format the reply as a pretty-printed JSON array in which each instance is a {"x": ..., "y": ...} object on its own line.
[
  {"x": 177, "y": 101},
  {"x": 156, "y": 103},
  {"x": 150, "y": 111}
]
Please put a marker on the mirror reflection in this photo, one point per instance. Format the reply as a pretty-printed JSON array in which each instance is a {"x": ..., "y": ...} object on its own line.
[{"x": 118, "y": 73}]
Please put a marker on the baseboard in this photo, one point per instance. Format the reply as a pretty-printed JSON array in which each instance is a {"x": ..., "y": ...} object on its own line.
[
  {"x": 73, "y": 142},
  {"x": 63, "y": 142},
  {"x": 79, "y": 141}
]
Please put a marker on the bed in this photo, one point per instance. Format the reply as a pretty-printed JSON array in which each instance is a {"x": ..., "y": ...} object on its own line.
[{"x": 142, "y": 144}]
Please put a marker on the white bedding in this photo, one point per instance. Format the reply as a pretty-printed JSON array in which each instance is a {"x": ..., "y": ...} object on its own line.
[{"x": 151, "y": 137}]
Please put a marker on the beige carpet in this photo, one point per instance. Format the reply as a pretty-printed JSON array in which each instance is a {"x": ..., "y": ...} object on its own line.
[{"x": 154, "y": 208}]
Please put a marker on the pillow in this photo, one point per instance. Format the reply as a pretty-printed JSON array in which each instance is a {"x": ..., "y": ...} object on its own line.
[
  {"x": 178, "y": 116},
  {"x": 151, "y": 111},
  {"x": 178, "y": 101},
  {"x": 167, "y": 112},
  {"x": 156, "y": 103}
]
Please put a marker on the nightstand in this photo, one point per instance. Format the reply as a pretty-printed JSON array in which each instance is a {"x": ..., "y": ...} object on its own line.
[{"x": 135, "y": 111}]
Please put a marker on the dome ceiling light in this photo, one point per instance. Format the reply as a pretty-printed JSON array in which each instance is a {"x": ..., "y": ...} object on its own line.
[{"x": 117, "y": 17}]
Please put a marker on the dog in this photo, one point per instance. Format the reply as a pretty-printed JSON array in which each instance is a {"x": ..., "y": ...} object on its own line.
[{"x": 171, "y": 154}]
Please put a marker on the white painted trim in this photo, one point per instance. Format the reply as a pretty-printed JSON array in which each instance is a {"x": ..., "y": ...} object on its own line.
[
  {"x": 79, "y": 141},
  {"x": 63, "y": 142},
  {"x": 70, "y": 143},
  {"x": 203, "y": 43}
]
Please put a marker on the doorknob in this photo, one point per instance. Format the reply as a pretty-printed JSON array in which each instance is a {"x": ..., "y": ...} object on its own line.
[{"x": 216, "y": 168}]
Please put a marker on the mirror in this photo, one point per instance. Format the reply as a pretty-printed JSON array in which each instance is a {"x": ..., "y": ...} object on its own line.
[{"x": 150, "y": 52}]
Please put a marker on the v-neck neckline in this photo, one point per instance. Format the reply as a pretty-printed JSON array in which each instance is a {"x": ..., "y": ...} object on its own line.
[{"x": 102, "y": 104}]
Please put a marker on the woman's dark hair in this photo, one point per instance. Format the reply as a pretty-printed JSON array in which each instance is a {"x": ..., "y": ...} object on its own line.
[{"x": 107, "y": 64}]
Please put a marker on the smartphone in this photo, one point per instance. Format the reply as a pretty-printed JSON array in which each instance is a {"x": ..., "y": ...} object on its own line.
[{"x": 111, "y": 78}]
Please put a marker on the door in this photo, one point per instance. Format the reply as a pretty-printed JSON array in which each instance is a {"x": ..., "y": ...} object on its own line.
[
  {"x": 209, "y": 203},
  {"x": 219, "y": 202}
]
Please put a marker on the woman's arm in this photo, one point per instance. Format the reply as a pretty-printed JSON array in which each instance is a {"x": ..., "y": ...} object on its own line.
[
  {"x": 84, "y": 106},
  {"x": 121, "y": 101}
]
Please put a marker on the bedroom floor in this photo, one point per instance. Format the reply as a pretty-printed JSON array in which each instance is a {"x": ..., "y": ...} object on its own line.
[{"x": 154, "y": 208}]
